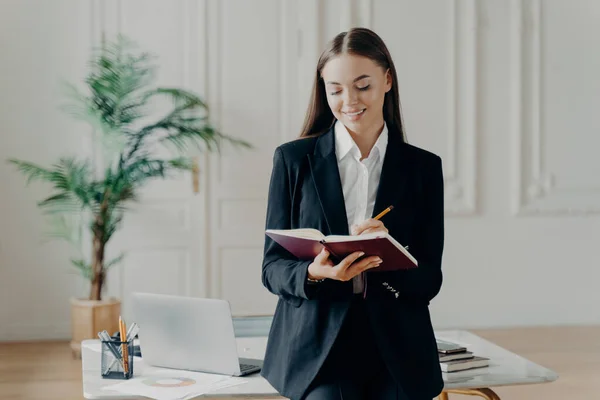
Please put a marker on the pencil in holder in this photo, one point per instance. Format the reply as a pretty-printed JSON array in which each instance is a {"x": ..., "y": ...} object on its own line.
[{"x": 117, "y": 359}]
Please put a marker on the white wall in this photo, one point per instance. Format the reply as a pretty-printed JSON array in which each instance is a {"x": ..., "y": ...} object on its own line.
[
  {"x": 503, "y": 90},
  {"x": 40, "y": 47}
]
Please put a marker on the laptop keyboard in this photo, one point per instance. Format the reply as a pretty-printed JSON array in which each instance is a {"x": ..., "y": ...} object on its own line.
[{"x": 246, "y": 367}]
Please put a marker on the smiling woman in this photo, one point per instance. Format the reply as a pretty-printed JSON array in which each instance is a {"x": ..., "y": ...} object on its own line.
[
  {"x": 330, "y": 338},
  {"x": 356, "y": 100},
  {"x": 354, "y": 75}
]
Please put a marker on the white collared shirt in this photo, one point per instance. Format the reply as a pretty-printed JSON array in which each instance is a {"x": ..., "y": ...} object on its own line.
[{"x": 360, "y": 179}]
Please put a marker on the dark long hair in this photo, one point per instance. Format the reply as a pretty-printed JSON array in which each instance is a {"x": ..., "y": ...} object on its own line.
[{"x": 360, "y": 42}]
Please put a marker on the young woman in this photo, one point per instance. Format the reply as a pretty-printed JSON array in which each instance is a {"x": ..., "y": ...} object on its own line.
[{"x": 343, "y": 330}]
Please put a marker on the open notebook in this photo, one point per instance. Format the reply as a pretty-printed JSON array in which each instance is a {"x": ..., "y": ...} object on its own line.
[{"x": 307, "y": 243}]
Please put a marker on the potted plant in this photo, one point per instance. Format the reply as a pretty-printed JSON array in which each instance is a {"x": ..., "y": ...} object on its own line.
[{"x": 93, "y": 200}]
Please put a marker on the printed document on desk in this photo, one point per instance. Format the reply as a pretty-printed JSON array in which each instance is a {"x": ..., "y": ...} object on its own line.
[{"x": 169, "y": 384}]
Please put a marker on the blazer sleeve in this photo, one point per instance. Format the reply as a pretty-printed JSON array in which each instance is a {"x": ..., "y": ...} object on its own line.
[
  {"x": 422, "y": 284},
  {"x": 282, "y": 273}
]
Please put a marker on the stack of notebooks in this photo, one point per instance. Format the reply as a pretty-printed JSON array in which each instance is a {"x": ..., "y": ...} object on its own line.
[{"x": 454, "y": 357}]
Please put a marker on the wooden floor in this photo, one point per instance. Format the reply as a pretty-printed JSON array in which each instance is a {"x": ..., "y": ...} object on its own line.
[{"x": 46, "y": 370}]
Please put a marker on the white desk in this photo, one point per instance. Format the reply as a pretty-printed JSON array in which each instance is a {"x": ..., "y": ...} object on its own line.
[{"x": 506, "y": 369}]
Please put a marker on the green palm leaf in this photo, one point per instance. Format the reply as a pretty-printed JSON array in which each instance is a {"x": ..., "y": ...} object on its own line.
[
  {"x": 32, "y": 171},
  {"x": 67, "y": 227},
  {"x": 68, "y": 176},
  {"x": 114, "y": 261},
  {"x": 64, "y": 202},
  {"x": 181, "y": 163},
  {"x": 84, "y": 268}
]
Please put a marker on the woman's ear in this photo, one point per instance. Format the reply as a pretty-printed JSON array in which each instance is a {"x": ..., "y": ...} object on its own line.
[{"x": 388, "y": 80}]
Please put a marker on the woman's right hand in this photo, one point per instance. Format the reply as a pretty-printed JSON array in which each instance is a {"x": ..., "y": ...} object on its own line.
[{"x": 322, "y": 267}]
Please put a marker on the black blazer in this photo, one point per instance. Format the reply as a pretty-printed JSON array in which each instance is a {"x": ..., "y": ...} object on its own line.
[{"x": 305, "y": 192}]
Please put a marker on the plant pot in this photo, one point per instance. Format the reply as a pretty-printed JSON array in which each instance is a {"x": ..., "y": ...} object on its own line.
[{"x": 88, "y": 317}]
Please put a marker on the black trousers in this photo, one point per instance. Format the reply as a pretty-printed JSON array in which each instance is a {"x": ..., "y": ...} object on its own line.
[{"x": 354, "y": 369}]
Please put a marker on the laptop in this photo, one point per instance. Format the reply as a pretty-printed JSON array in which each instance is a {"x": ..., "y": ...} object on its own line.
[{"x": 188, "y": 333}]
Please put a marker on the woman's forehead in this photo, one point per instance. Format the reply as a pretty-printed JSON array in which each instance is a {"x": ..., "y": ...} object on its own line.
[{"x": 348, "y": 67}]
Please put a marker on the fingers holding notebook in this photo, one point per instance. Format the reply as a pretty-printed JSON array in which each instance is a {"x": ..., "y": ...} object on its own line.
[{"x": 322, "y": 267}]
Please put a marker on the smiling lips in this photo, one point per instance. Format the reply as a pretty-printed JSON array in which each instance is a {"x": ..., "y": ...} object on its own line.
[{"x": 355, "y": 114}]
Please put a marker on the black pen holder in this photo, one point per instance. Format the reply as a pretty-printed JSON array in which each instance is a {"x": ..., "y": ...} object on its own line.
[{"x": 112, "y": 364}]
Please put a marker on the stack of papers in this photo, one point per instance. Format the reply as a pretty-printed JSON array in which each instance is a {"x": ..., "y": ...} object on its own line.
[{"x": 166, "y": 384}]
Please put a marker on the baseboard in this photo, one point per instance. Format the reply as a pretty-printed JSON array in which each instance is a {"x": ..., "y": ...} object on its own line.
[{"x": 35, "y": 332}]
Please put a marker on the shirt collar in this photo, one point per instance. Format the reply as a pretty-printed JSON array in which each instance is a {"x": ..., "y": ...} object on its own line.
[{"x": 344, "y": 142}]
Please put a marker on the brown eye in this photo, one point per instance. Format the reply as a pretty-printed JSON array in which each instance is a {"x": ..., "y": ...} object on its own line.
[{"x": 364, "y": 88}]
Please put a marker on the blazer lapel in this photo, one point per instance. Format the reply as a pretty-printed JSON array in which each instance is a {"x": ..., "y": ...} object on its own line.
[
  {"x": 392, "y": 183},
  {"x": 326, "y": 176}
]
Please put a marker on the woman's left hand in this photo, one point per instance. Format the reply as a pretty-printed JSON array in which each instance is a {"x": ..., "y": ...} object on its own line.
[{"x": 368, "y": 226}]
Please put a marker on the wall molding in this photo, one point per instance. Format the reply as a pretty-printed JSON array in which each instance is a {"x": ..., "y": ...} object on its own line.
[
  {"x": 202, "y": 259},
  {"x": 190, "y": 15},
  {"x": 309, "y": 23},
  {"x": 460, "y": 164},
  {"x": 364, "y": 13},
  {"x": 355, "y": 13},
  {"x": 287, "y": 69},
  {"x": 346, "y": 14},
  {"x": 215, "y": 60},
  {"x": 535, "y": 190}
]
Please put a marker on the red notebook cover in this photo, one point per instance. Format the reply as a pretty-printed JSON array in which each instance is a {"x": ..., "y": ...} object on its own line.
[{"x": 307, "y": 243}]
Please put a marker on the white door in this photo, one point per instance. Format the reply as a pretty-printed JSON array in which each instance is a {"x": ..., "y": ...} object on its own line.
[
  {"x": 255, "y": 74},
  {"x": 252, "y": 87},
  {"x": 164, "y": 235}
]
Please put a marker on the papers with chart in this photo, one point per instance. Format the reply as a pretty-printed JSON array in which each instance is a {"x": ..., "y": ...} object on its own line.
[{"x": 165, "y": 384}]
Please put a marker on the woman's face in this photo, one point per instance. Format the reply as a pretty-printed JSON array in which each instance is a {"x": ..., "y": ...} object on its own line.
[{"x": 356, "y": 87}]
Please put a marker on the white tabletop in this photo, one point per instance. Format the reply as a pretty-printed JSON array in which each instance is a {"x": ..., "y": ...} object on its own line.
[
  {"x": 256, "y": 385},
  {"x": 505, "y": 369}
]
